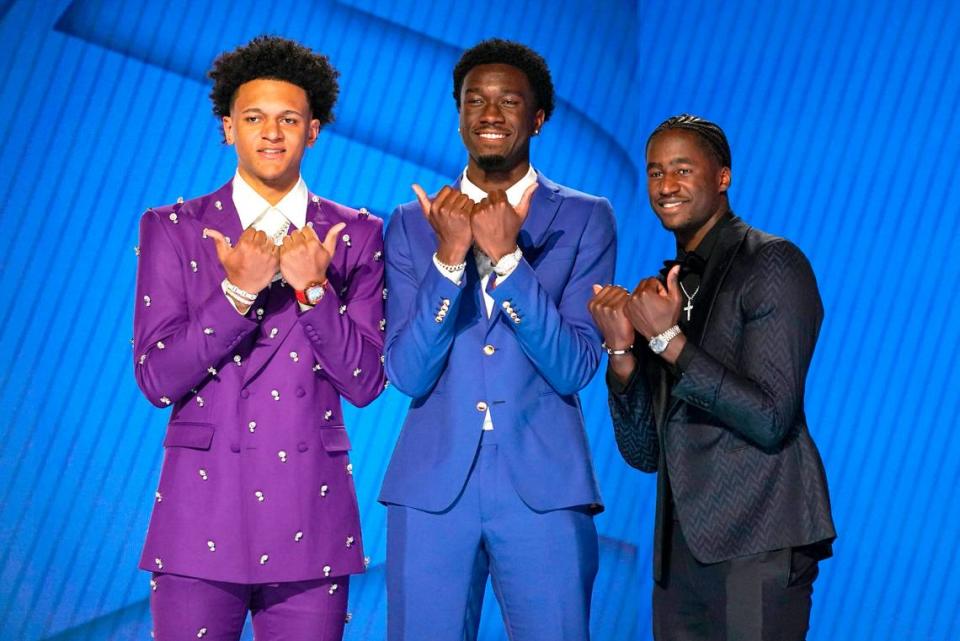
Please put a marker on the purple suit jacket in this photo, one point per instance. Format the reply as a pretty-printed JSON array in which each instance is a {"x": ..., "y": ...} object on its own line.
[{"x": 256, "y": 485}]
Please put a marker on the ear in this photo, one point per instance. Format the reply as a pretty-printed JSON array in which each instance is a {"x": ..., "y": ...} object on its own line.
[
  {"x": 538, "y": 120},
  {"x": 724, "y": 179},
  {"x": 313, "y": 132},
  {"x": 227, "y": 123}
]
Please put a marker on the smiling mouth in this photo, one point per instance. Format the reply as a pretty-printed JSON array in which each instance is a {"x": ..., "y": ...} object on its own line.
[
  {"x": 491, "y": 135},
  {"x": 671, "y": 204},
  {"x": 271, "y": 152}
]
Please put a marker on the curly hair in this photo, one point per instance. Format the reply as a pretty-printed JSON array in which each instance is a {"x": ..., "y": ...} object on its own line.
[
  {"x": 710, "y": 135},
  {"x": 275, "y": 58},
  {"x": 506, "y": 52}
]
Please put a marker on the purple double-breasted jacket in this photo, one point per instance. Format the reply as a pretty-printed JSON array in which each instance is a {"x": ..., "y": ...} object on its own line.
[{"x": 256, "y": 484}]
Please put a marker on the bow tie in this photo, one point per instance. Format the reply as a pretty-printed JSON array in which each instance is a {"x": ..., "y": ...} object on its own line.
[{"x": 692, "y": 263}]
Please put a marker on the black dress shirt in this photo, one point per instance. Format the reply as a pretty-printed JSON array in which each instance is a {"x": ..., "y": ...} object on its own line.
[
  {"x": 694, "y": 295},
  {"x": 693, "y": 264}
]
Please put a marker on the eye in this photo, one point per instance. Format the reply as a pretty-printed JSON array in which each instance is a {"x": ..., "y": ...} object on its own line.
[
  {"x": 683, "y": 171},
  {"x": 252, "y": 119},
  {"x": 510, "y": 102},
  {"x": 290, "y": 121},
  {"x": 656, "y": 173}
]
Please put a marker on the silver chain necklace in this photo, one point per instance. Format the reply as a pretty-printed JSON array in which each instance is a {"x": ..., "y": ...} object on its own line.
[{"x": 689, "y": 306}]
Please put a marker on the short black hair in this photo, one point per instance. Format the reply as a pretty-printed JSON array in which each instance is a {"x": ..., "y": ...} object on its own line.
[
  {"x": 709, "y": 133},
  {"x": 275, "y": 58},
  {"x": 506, "y": 52}
]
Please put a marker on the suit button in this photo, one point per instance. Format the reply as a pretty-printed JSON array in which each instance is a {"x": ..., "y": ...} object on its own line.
[
  {"x": 489, "y": 350},
  {"x": 481, "y": 406},
  {"x": 300, "y": 392},
  {"x": 244, "y": 393}
]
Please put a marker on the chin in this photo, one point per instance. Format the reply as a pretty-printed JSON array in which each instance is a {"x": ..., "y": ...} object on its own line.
[
  {"x": 670, "y": 222},
  {"x": 492, "y": 162}
]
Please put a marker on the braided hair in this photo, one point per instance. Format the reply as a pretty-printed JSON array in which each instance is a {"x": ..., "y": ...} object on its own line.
[{"x": 710, "y": 134}]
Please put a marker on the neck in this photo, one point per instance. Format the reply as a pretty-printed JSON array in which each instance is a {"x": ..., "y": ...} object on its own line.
[
  {"x": 496, "y": 179},
  {"x": 690, "y": 240},
  {"x": 272, "y": 191}
]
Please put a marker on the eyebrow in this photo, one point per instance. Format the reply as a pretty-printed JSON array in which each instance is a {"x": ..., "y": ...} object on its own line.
[
  {"x": 261, "y": 111},
  {"x": 512, "y": 92},
  {"x": 682, "y": 160}
]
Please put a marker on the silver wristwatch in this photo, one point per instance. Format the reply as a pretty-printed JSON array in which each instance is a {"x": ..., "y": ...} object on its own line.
[
  {"x": 659, "y": 342},
  {"x": 508, "y": 262}
]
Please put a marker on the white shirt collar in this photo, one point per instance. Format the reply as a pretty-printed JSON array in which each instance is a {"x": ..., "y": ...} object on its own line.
[
  {"x": 251, "y": 205},
  {"x": 514, "y": 192}
]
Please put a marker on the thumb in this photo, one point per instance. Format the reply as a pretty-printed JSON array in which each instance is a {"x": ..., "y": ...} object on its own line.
[
  {"x": 422, "y": 198},
  {"x": 673, "y": 282},
  {"x": 221, "y": 242},
  {"x": 524, "y": 205},
  {"x": 597, "y": 289},
  {"x": 330, "y": 240}
]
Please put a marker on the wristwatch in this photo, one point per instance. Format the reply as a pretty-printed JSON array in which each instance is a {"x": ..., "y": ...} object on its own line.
[
  {"x": 659, "y": 342},
  {"x": 508, "y": 262},
  {"x": 312, "y": 293}
]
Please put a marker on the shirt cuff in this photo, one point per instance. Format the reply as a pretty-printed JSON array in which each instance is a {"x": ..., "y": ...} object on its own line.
[
  {"x": 683, "y": 359},
  {"x": 453, "y": 276}
]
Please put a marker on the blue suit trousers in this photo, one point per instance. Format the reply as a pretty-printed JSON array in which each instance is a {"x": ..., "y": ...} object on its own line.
[{"x": 542, "y": 564}]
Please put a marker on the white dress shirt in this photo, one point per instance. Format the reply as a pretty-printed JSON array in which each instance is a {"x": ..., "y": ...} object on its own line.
[
  {"x": 485, "y": 266},
  {"x": 273, "y": 220}
]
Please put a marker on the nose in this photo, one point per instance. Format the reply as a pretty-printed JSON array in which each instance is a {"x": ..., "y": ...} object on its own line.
[
  {"x": 271, "y": 131},
  {"x": 668, "y": 184},
  {"x": 491, "y": 113}
]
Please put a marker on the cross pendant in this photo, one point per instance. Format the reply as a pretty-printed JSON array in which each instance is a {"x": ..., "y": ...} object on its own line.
[{"x": 688, "y": 308}]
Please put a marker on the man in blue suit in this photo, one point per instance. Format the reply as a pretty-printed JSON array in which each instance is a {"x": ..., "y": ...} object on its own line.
[{"x": 490, "y": 335}]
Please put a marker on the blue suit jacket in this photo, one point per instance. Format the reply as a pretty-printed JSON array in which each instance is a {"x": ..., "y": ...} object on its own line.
[{"x": 530, "y": 377}]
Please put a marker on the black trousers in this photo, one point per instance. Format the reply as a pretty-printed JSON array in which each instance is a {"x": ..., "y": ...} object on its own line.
[{"x": 761, "y": 597}]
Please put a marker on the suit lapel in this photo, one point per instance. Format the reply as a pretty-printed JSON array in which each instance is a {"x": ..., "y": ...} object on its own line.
[
  {"x": 280, "y": 315},
  {"x": 728, "y": 246},
  {"x": 716, "y": 272},
  {"x": 220, "y": 213},
  {"x": 531, "y": 240},
  {"x": 543, "y": 209}
]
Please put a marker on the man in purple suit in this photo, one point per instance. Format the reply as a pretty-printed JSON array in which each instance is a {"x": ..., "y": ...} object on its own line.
[{"x": 258, "y": 307}]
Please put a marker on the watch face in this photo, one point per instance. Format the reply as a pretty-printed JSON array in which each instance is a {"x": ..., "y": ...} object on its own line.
[
  {"x": 314, "y": 294},
  {"x": 657, "y": 344}
]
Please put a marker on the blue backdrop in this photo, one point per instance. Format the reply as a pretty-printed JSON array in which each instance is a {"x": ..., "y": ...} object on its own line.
[{"x": 841, "y": 120}]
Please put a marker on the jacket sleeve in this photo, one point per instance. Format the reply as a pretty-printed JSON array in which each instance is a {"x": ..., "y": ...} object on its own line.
[
  {"x": 346, "y": 333},
  {"x": 560, "y": 339},
  {"x": 781, "y": 313},
  {"x": 634, "y": 422},
  {"x": 421, "y": 312},
  {"x": 176, "y": 344}
]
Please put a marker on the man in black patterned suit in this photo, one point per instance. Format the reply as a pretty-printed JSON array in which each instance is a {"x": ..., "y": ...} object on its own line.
[{"x": 706, "y": 375}]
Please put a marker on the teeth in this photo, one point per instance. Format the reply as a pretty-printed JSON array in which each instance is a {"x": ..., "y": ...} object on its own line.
[
  {"x": 670, "y": 205},
  {"x": 493, "y": 136}
]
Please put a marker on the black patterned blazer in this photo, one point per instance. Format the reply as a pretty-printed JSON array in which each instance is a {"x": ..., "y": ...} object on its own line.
[{"x": 731, "y": 433}]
